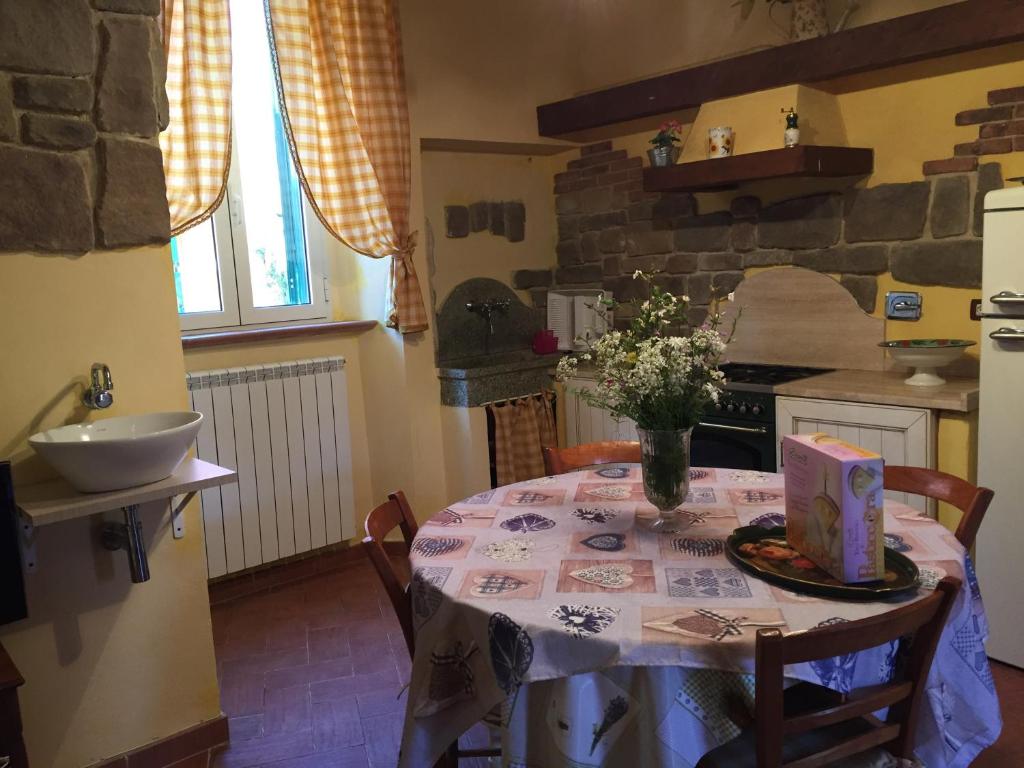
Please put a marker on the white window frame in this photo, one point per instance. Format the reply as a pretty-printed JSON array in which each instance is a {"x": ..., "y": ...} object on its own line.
[{"x": 233, "y": 269}]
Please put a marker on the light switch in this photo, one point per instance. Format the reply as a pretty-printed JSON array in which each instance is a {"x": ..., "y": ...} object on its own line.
[{"x": 902, "y": 305}]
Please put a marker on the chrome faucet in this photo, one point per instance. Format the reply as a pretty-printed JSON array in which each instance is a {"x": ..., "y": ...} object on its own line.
[
  {"x": 98, "y": 395},
  {"x": 487, "y": 310}
]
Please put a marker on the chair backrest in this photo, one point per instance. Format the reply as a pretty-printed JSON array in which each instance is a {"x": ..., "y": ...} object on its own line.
[
  {"x": 559, "y": 460},
  {"x": 923, "y": 619},
  {"x": 971, "y": 500},
  {"x": 393, "y": 513}
]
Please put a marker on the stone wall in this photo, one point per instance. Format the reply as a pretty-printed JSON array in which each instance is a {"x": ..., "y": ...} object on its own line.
[
  {"x": 925, "y": 233},
  {"x": 82, "y": 102}
]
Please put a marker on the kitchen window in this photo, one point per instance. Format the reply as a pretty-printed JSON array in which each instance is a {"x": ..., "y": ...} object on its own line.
[{"x": 258, "y": 259}]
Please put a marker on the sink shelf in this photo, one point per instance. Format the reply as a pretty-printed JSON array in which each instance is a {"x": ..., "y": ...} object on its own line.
[{"x": 56, "y": 501}]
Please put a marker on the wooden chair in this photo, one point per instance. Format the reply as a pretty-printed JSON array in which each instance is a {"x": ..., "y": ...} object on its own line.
[
  {"x": 971, "y": 500},
  {"x": 560, "y": 460},
  {"x": 807, "y": 726},
  {"x": 396, "y": 513}
]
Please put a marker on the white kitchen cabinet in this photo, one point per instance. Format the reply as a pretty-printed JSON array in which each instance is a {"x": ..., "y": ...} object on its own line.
[
  {"x": 586, "y": 424},
  {"x": 905, "y": 436}
]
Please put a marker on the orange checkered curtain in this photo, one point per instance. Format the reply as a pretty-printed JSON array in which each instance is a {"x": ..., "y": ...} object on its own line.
[
  {"x": 521, "y": 428},
  {"x": 342, "y": 86},
  {"x": 197, "y": 143}
]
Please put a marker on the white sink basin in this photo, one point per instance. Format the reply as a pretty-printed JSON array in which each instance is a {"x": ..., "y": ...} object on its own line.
[{"x": 121, "y": 452}]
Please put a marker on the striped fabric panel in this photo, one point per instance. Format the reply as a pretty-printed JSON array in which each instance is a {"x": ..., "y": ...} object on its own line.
[
  {"x": 340, "y": 75},
  {"x": 197, "y": 143}
]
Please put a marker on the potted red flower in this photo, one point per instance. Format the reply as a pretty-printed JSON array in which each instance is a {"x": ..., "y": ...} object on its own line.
[{"x": 665, "y": 151}]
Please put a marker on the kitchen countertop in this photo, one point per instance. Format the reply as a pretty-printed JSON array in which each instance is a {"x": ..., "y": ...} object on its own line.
[{"x": 885, "y": 388}]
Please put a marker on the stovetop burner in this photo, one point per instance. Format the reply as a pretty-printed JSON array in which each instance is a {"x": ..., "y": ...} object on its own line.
[{"x": 755, "y": 377}]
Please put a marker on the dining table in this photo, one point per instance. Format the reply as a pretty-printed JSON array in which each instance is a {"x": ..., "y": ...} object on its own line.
[{"x": 550, "y": 610}]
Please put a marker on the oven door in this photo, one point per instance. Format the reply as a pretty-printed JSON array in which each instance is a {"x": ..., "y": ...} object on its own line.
[{"x": 734, "y": 444}]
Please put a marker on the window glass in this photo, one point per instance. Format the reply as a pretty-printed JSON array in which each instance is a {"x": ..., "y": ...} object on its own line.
[
  {"x": 271, "y": 198},
  {"x": 196, "y": 276}
]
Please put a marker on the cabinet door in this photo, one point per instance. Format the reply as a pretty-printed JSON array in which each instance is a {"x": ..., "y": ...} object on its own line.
[
  {"x": 903, "y": 436},
  {"x": 586, "y": 424}
]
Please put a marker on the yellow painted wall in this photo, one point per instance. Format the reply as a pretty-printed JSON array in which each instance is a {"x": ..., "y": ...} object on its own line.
[
  {"x": 758, "y": 121},
  {"x": 451, "y": 178},
  {"x": 109, "y": 665}
]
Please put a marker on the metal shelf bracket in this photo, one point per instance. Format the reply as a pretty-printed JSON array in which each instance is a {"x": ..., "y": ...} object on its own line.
[
  {"x": 27, "y": 542},
  {"x": 177, "y": 514}
]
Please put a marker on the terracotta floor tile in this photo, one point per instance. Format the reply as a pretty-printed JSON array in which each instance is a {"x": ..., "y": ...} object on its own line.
[
  {"x": 242, "y": 643},
  {"x": 328, "y": 643},
  {"x": 246, "y": 727},
  {"x": 242, "y": 694},
  {"x": 265, "y": 662},
  {"x": 348, "y": 757},
  {"x": 333, "y": 617},
  {"x": 269, "y": 749},
  {"x": 286, "y": 710},
  {"x": 336, "y": 724},
  {"x": 383, "y": 736},
  {"x": 369, "y": 660},
  {"x": 309, "y": 673},
  {"x": 286, "y": 634},
  {"x": 350, "y": 686},
  {"x": 382, "y": 701}
]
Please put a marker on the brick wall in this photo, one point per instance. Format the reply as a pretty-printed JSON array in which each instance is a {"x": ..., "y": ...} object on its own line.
[
  {"x": 81, "y": 104},
  {"x": 924, "y": 232}
]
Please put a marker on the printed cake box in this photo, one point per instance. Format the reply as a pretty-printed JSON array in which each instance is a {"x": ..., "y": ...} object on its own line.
[{"x": 834, "y": 506}]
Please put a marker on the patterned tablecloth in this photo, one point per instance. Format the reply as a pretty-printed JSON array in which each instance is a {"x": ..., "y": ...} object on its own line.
[{"x": 606, "y": 644}]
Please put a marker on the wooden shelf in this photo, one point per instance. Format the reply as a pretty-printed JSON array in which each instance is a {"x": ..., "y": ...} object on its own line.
[
  {"x": 56, "y": 501},
  {"x": 943, "y": 31},
  {"x": 804, "y": 160}
]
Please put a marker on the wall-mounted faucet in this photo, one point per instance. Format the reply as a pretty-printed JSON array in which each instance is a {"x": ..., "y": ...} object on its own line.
[
  {"x": 487, "y": 310},
  {"x": 98, "y": 395}
]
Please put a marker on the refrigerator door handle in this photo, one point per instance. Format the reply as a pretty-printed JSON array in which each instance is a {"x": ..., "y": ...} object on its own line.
[
  {"x": 1008, "y": 298},
  {"x": 1007, "y": 334}
]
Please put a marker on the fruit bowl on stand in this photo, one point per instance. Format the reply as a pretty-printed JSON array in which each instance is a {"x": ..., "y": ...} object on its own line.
[{"x": 924, "y": 356}]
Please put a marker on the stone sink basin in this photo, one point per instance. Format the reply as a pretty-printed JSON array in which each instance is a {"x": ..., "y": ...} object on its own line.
[
  {"x": 121, "y": 452},
  {"x": 473, "y": 381}
]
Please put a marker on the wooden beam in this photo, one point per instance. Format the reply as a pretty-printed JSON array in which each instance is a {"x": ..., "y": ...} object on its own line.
[{"x": 951, "y": 29}]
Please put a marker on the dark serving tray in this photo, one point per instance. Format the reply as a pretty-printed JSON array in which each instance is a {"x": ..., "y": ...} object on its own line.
[{"x": 901, "y": 574}]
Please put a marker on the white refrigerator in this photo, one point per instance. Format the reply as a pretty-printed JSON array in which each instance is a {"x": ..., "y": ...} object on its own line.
[{"x": 1000, "y": 544}]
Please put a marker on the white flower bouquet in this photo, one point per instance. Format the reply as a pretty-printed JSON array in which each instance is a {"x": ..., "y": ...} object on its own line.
[{"x": 662, "y": 373}]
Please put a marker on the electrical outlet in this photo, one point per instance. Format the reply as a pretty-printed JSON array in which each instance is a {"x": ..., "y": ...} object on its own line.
[{"x": 902, "y": 305}]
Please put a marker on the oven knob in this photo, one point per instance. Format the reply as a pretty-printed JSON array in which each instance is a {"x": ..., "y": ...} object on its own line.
[
  {"x": 718, "y": 406},
  {"x": 743, "y": 408},
  {"x": 756, "y": 410},
  {"x": 730, "y": 407}
]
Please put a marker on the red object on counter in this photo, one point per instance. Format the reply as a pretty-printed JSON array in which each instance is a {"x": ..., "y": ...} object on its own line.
[{"x": 545, "y": 342}]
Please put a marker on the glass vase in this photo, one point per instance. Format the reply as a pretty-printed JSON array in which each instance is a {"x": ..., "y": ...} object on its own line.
[{"x": 665, "y": 459}]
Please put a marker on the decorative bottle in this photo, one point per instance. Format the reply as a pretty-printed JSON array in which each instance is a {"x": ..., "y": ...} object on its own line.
[{"x": 792, "y": 134}]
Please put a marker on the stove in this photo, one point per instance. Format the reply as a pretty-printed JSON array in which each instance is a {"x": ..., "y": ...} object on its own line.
[
  {"x": 739, "y": 431},
  {"x": 752, "y": 377}
]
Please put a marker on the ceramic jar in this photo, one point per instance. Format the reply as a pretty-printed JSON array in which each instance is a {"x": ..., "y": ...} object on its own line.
[{"x": 720, "y": 142}]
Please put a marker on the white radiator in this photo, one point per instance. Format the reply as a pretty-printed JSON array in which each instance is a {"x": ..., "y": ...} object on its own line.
[{"x": 284, "y": 428}]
